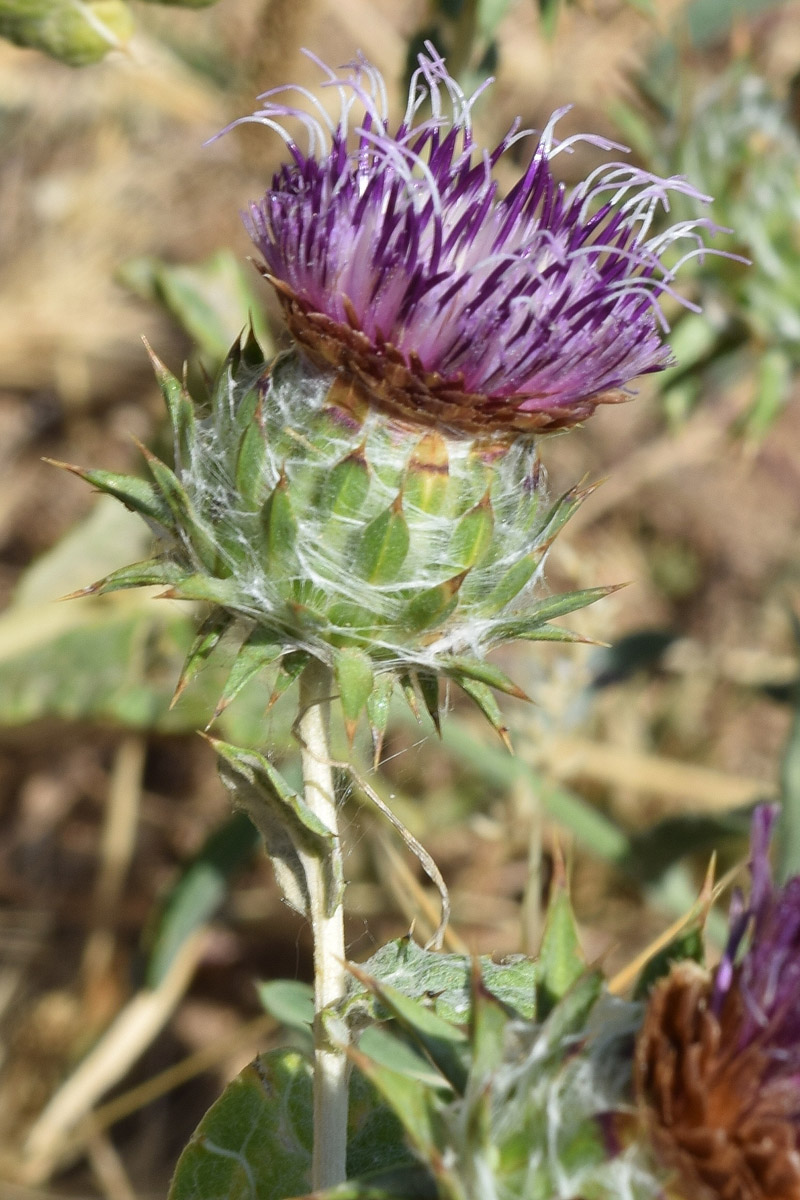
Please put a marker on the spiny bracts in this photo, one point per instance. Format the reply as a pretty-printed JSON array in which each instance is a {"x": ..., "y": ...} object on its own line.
[{"x": 396, "y": 554}]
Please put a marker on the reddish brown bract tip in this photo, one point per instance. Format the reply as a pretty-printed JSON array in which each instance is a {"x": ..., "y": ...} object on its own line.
[{"x": 407, "y": 392}]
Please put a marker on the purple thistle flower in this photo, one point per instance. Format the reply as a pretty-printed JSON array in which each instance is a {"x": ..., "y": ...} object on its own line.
[
  {"x": 398, "y": 263},
  {"x": 759, "y": 973},
  {"x": 718, "y": 1061}
]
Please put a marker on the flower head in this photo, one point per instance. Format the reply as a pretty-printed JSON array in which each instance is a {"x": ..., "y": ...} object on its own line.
[
  {"x": 398, "y": 262},
  {"x": 718, "y": 1061}
]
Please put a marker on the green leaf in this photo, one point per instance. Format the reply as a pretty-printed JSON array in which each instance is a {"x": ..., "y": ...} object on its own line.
[
  {"x": 347, "y": 485},
  {"x": 567, "y": 602},
  {"x": 181, "y": 414},
  {"x": 291, "y": 668},
  {"x": 484, "y": 697},
  {"x": 472, "y": 535},
  {"x": 136, "y": 494},
  {"x": 689, "y": 944},
  {"x": 151, "y": 573},
  {"x": 208, "y": 638},
  {"x": 204, "y": 588},
  {"x": 354, "y": 677},
  {"x": 378, "y": 705},
  {"x": 510, "y": 584},
  {"x": 291, "y": 831},
  {"x": 255, "y": 1142},
  {"x": 290, "y": 1002},
  {"x": 256, "y": 654},
  {"x": 428, "y": 685},
  {"x": 560, "y": 960},
  {"x": 250, "y": 465},
  {"x": 279, "y": 528},
  {"x": 442, "y": 1042},
  {"x": 198, "y": 894},
  {"x": 458, "y": 666},
  {"x": 77, "y": 32},
  {"x": 212, "y": 300},
  {"x": 425, "y": 482},
  {"x": 412, "y": 1100},
  {"x": 444, "y": 981},
  {"x": 383, "y": 546},
  {"x": 432, "y": 605},
  {"x": 200, "y": 542}
]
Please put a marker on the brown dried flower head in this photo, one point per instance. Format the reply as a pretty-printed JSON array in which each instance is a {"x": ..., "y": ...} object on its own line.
[{"x": 718, "y": 1059}]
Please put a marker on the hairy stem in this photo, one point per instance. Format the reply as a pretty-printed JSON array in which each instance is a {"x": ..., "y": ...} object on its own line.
[{"x": 327, "y": 924}]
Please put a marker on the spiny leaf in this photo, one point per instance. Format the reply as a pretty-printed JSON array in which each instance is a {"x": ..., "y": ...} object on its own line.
[
  {"x": 442, "y": 1042},
  {"x": 409, "y": 693},
  {"x": 378, "y": 704},
  {"x": 180, "y": 409},
  {"x": 204, "y": 588},
  {"x": 473, "y": 534},
  {"x": 208, "y": 638},
  {"x": 510, "y": 584},
  {"x": 557, "y": 606},
  {"x": 152, "y": 572},
  {"x": 201, "y": 542},
  {"x": 426, "y": 476},
  {"x": 483, "y": 672},
  {"x": 428, "y": 684},
  {"x": 291, "y": 668},
  {"x": 347, "y": 485},
  {"x": 136, "y": 494},
  {"x": 354, "y": 677},
  {"x": 488, "y": 1023},
  {"x": 257, "y": 652},
  {"x": 484, "y": 697},
  {"x": 430, "y": 606},
  {"x": 383, "y": 545},
  {"x": 413, "y": 1101},
  {"x": 560, "y": 960},
  {"x": 291, "y": 831},
  {"x": 532, "y": 631},
  {"x": 250, "y": 465},
  {"x": 561, "y": 512},
  {"x": 278, "y": 524}
]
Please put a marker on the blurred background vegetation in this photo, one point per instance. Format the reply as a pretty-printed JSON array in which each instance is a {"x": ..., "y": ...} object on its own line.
[{"x": 137, "y": 916}]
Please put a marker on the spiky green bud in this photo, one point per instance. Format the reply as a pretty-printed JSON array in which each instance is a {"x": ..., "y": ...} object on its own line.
[{"x": 393, "y": 553}]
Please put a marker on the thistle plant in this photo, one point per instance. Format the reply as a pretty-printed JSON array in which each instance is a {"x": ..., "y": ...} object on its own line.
[
  {"x": 718, "y": 1058},
  {"x": 367, "y": 514}
]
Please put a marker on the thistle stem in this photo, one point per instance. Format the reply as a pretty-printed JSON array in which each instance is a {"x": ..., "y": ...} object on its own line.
[{"x": 330, "y": 973}]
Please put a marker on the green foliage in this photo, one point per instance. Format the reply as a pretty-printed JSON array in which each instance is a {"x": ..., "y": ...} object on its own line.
[
  {"x": 254, "y": 1143},
  {"x": 77, "y": 32},
  {"x": 517, "y": 1105},
  {"x": 736, "y": 142},
  {"x": 198, "y": 893},
  {"x": 292, "y": 832},
  {"x": 211, "y": 300}
]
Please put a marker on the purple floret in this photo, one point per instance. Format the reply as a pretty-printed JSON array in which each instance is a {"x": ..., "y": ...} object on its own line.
[
  {"x": 547, "y": 296},
  {"x": 761, "y": 963}
]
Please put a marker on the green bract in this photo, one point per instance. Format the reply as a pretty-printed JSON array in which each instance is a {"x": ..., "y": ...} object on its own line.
[{"x": 395, "y": 554}]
